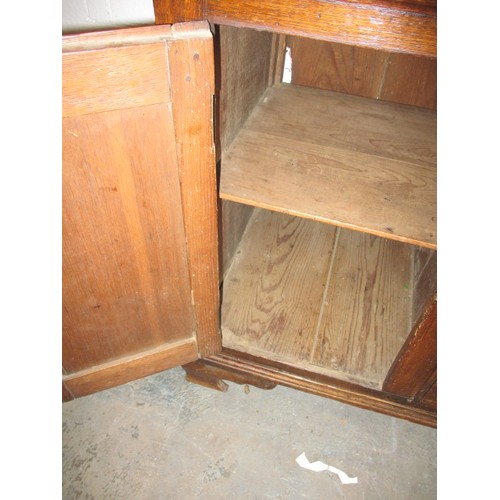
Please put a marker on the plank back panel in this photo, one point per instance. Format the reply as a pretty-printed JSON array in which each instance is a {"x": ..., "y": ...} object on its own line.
[
  {"x": 401, "y": 78},
  {"x": 411, "y": 80},
  {"x": 334, "y": 66}
]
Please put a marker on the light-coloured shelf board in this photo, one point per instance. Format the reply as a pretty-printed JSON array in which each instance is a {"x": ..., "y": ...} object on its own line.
[{"x": 349, "y": 161}]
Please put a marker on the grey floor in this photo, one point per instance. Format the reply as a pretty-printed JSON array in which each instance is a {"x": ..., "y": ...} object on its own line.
[{"x": 165, "y": 438}]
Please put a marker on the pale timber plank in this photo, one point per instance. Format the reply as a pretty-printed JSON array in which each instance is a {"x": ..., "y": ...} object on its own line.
[
  {"x": 367, "y": 308},
  {"x": 273, "y": 290},
  {"x": 349, "y": 161}
]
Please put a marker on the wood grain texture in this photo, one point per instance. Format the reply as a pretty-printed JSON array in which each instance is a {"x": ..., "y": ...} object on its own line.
[
  {"x": 232, "y": 224},
  {"x": 115, "y": 78},
  {"x": 126, "y": 369},
  {"x": 407, "y": 27},
  {"x": 424, "y": 280},
  {"x": 345, "y": 160},
  {"x": 211, "y": 376},
  {"x": 125, "y": 275},
  {"x": 367, "y": 311},
  {"x": 122, "y": 37},
  {"x": 334, "y": 66},
  {"x": 411, "y": 80},
  {"x": 416, "y": 363},
  {"x": 128, "y": 281},
  {"x": 401, "y": 78},
  {"x": 245, "y": 71},
  {"x": 273, "y": 291},
  {"x": 232, "y": 362},
  {"x": 429, "y": 398},
  {"x": 192, "y": 80},
  {"x": 177, "y": 11}
]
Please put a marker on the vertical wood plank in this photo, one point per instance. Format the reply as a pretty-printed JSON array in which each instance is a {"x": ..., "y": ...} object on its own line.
[
  {"x": 192, "y": 78},
  {"x": 411, "y": 80},
  {"x": 125, "y": 276},
  {"x": 401, "y": 78},
  {"x": 245, "y": 65},
  {"x": 334, "y": 66},
  {"x": 273, "y": 291},
  {"x": 367, "y": 313}
]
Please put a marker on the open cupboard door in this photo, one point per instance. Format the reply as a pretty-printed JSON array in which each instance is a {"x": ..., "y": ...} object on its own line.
[{"x": 139, "y": 245}]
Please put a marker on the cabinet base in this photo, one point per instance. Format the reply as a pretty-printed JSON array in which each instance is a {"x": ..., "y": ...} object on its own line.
[
  {"x": 212, "y": 376},
  {"x": 246, "y": 369}
]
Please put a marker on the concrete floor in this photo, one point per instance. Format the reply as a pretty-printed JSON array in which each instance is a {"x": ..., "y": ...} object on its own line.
[{"x": 165, "y": 438}]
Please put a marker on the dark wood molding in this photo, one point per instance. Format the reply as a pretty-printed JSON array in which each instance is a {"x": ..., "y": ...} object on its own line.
[
  {"x": 212, "y": 376},
  {"x": 416, "y": 363},
  {"x": 238, "y": 366},
  {"x": 394, "y": 26},
  {"x": 176, "y": 11}
]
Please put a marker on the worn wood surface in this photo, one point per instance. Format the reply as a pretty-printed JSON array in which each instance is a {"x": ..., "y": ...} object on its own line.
[
  {"x": 428, "y": 399},
  {"x": 89, "y": 88},
  {"x": 235, "y": 362},
  {"x": 345, "y": 160},
  {"x": 128, "y": 278},
  {"x": 193, "y": 86},
  {"x": 128, "y": 368},
  {"x": 273, "y": 292},
  {"x": 212, "y": 376},
  {"x": 401, "y": 26},
  {"x": 125, "y": 275},
  {"x": 245, "y": 70},
  {"x": 416, "y": 363},
  {"x": 401, "y": 78},
  {"x": 366, "y": 317},
  {"x": 330, "y": 300},
  {"x": 338, "y": 67},
  {"x": 411, "y": 80},
  {"x": 424, "y": 281}
]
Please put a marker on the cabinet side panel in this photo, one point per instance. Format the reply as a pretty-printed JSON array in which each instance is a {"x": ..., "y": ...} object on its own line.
[
  {"x": 192, "y": 76},
  {"x": 244, "y": 63}
]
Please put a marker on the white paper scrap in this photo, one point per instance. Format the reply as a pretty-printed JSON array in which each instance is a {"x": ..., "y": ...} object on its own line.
[{"x": 321, "y": 467}]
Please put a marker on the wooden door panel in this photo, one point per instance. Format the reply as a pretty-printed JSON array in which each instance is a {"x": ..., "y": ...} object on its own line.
[
  {"x": 125, "y": 276},
  {"x": 129, "y": 279}
]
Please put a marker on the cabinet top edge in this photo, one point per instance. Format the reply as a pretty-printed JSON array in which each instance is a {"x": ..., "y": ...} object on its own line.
[{"x": 120, "y": 37}]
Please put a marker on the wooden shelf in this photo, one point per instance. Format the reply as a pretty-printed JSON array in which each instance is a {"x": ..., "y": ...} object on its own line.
[
  {"x": 315, "y": 296},
  {"x": 349, "y": 161}
]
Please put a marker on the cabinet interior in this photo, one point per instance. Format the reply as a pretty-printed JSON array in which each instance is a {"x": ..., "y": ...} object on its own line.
[{"x": 327, "y": 190}]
